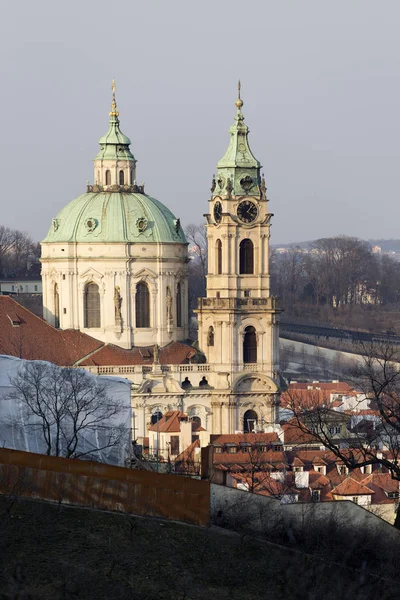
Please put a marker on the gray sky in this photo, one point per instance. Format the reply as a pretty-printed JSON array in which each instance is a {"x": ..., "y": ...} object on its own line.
[{"x": 321, "y": 91}]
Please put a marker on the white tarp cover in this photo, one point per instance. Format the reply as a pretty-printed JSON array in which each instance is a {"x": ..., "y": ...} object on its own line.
[{"x": 15, "y": 434}]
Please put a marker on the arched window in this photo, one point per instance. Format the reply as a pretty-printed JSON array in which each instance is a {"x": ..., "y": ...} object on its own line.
[
  {"x": 121, "y": 178},
  {"x": 249, "y": 421},
  {"x": 218, "y": 257},
  {"x": 142, "y": 305},
  {"x": 131, "y": 176},
  {"x": 178, "y": 306},
  {"x": 196, "y": 421},
  {"x": 108, "y": 177},
  {"x": 250, "y": 345},
  {"x": 246, "y": 258},
  {"x": 92, "y": 305},
  {"x": 156, "y": 416},
  {"x": 56, "y": 306},
  {"x": 210, "y": 336}
]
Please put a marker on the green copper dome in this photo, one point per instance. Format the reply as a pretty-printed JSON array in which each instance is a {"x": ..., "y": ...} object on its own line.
[
  {"x": 111, "y": 212},
  {"x": 115, "y": 216}
]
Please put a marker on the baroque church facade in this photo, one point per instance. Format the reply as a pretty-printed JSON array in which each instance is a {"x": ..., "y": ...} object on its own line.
[{"x": 114, "y": 266}]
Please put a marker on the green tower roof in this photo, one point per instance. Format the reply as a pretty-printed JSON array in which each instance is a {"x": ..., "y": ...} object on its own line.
[{"x": 238, "y": 169}]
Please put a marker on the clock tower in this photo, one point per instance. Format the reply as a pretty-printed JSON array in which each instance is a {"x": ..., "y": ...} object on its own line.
[{"x": 238, "y": 320}]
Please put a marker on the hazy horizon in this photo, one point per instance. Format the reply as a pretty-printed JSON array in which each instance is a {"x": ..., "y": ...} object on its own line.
[{"x": 321, "y": 92}]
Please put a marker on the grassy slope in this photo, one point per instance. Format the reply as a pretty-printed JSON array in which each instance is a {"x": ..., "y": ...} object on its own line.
[{"x": 51, "y": 553}]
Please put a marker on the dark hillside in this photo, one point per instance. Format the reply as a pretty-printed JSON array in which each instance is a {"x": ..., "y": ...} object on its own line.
[{"x": 49, "y": 552}]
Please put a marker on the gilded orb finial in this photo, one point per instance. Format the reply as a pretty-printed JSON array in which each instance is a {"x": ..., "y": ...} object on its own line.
[
  {"x": 113, "y": 112},
  {"x": 239, "y": 101}
]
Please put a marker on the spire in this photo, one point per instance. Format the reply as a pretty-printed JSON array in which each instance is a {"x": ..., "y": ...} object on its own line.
[
  {"x": 239, "y": 101},
  {"x": 114, "y": 112},
  {"x": 238, "y": 166},
  {"x": 114, "y": 144}
]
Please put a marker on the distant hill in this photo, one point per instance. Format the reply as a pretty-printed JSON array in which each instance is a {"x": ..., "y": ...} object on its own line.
[{"x": 386, "y": 245}]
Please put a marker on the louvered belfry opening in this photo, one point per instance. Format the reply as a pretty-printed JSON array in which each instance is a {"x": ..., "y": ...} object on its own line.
[
  {"x": 250, "y": 345},
  {"x": 142, "y": 305},
  {"x": 56, "y": 307},
  {"x": 92, "y": 306},
  {"x": 178, "y": 306},
  {"x": 246, "y": 258}
]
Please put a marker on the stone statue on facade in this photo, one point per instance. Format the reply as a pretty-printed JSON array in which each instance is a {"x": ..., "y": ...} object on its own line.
[
  {"x": 168, "y": 301},
  {"x": 117, "y": 305}
]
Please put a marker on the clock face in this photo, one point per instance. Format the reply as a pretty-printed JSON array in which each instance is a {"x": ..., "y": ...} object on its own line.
[
  {"x": 218, "y": 212},
  {"x": 247, "y": 211}
]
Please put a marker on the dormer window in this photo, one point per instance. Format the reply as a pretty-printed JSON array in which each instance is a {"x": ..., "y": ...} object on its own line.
[
  {"x": 231, "y": 448},
  {"x": 217, "y": 449},
  {"x": 393, "y": 495}
]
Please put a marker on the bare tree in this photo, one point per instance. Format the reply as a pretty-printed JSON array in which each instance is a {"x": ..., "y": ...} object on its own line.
[
  {"x": 15, "y": 249},
  {"x": 377, "y": 377},
  {"x": 197, "y": 238},
  {"x": 69, "y": 409}
]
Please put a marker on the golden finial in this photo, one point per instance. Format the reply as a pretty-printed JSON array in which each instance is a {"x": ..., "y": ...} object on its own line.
[
  {"x": 239, "y": 101},
  {"x": 114, "y": 112}
]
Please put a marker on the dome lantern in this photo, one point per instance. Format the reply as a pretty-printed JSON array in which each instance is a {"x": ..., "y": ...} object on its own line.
[{"x": 114, "y": 163}]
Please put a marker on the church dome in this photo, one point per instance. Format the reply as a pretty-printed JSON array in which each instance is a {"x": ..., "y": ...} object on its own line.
[
  {"x": 115, "y": 208},
  {"x": 115, "y": 216}
]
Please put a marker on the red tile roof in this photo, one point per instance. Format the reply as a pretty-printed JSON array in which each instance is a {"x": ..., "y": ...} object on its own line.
[
  {"x": 34, "y": 339},
  {"x": 351, "y": 487},
  {"x": 174, "y": 353},
  {"x": 251, "y": 438},
  {"x": 25, "y": 335},
  {"x": 170, "y": 422},
  {"x": 309, "y": 395}
]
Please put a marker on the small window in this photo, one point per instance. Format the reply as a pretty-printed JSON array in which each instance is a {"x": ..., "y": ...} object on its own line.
[
  {"x": 316, "y": 495},
  {"x": 331, "y": 430},
  {"x": 35, "y": 288},
  {"x": 231, "y": 449},
  {"x": 247, "y": 293},
  {"x": 355, "y": 499},
  {"x": 210, "y": 336},
  {"x": 64, "y": 311},
  {"x": 217, "y": 450},
  {"x": 121, "y": 178},
  {"x": 13, "y": 288},
  {"x": 108, "y": 177},
  {"x": 338, "y": 429},
  {"x": 156, "y": 416},
  {"x": 63, "y": 277},
  {"x": 174, "y": 444}
]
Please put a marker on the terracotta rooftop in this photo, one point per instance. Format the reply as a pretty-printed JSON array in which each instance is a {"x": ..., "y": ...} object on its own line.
[
  {"x": 175, "y": 353},
  {"x": 351, "y": 487},
  {"x": 251, "y": 438},
  {"x": 170, "y": 422},
  {"x": 25, "y": 335}
]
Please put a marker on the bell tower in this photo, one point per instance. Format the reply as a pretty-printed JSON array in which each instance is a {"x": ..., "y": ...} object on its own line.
[{"x": 238, "y": 320}]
